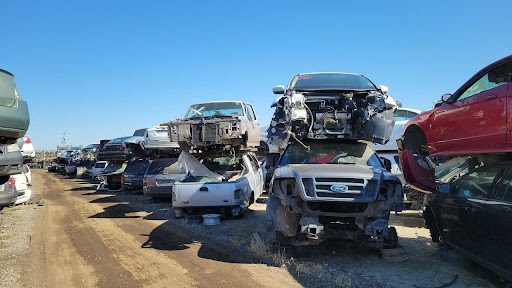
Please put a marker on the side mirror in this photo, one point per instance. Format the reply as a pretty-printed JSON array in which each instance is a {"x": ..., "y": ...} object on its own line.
[
  {"x": 278, "y": 89},
  {"x": 387, "y": 163},
  {"x": 446, "y": 97},
  {"x": 443, "y": 188},
  {"x": 384, "y": 89}
]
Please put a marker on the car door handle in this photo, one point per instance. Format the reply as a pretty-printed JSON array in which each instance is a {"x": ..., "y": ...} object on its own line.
[
  {"x": 491, "y": 97},
  {"x": 203, "y": 189}
]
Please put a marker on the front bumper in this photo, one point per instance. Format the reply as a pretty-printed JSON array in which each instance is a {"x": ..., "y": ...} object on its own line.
[{"x": 15, "y": 120}]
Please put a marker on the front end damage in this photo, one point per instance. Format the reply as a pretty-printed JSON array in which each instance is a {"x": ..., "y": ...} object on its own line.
[
  {"x": 207, "y": 132},
  {"x": 348, "y": 115},
  {"x": 303, "y": 208}
]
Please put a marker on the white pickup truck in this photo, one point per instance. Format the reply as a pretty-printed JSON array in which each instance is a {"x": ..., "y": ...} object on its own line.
[{"x": 225, "y": 184}]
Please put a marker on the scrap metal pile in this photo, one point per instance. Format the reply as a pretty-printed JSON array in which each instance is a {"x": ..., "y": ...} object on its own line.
[
  {"x": 217, "y": 125},
  {"x": 320, "y": 119},
  {"x": 331, "y": 106},
  {"x": 217, "y": 140}
]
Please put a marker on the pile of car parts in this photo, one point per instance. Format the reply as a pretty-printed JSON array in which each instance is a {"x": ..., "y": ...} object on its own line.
[
  {"x": 223, "y": 176},
  {"x": 327, "y": 183}
]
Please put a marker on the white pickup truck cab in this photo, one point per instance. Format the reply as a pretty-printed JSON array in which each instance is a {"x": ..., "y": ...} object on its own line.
[{"x": 234, "y": 183}]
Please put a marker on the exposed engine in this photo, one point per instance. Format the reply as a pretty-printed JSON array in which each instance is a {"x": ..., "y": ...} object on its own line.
[{"x": 357, "y": 115}]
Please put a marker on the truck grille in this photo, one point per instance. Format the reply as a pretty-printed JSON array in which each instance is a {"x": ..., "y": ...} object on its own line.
[
  {"x": 196, "y": 133},
  {"x": 210, "y": 132},
  {"x": 356, "y": 188}
]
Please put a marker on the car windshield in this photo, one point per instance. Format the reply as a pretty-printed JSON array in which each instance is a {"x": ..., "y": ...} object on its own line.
[
  {"x": 119, "y": 140},
  {"x": 330, "y": 153},
  {"x": 450, "y": 169},
  {"x": 92, "y": 146},
  {"x": 215, "y": 109},
  {"x": 164, "y": 166},
  {"x": 137, "y": 167},
  {"x": 403, "y": 115},
  {"x": 331, "y": 81}
]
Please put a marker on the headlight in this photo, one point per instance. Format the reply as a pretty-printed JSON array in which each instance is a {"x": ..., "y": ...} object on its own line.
[{"x": 238, "y": 194}]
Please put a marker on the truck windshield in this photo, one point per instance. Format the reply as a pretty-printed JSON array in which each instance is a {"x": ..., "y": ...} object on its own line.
[
  {"x": 330, "y": 81},
  {"x": 165, "y": 166},
  {"x": 215, "y": 109},
  {"x": 330, "y": 153}
]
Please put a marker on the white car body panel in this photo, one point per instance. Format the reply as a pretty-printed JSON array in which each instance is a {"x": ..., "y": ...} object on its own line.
[
  {"x": 220, "y": 194},
  {"x": 27, "y": 150},
  {"x": 22, "y": 188},
  {"x": 158, "y": 138},
  {"x": 96, "y": 172},
  {"x": 395, "y": 134},
  {"x": 28, "y": 173}
]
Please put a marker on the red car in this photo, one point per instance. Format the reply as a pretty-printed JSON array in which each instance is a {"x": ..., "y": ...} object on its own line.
[{"x": 474, "y": 120}]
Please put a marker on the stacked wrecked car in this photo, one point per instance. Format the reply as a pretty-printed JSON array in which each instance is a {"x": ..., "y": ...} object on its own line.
[
  {"x": 328, "y": 183},
  {"x": 218, "y": 140},
  {"x": 459, "y": 154},
  {"x": 16, "y": 149}
]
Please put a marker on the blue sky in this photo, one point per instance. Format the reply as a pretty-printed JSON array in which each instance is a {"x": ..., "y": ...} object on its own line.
[{"x": 101, "y": 69}]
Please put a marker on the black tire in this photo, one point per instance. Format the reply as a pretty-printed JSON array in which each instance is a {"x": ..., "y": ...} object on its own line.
[
  {"x": 281, "y": 239},
  {"x": 391, "y": 242},
  {"x": 415, "y": 141},
  {"x": 431, "y": 225},
  {"x": 251, "y": 200}
]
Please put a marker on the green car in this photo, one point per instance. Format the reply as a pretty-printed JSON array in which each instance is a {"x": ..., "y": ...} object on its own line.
[{"x": 14, "y": 117}]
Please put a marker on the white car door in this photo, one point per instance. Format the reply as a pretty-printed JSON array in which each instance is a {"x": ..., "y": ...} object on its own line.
[
  {"x": 253, "y": 127},
  {"x": 256, "y": 179}
]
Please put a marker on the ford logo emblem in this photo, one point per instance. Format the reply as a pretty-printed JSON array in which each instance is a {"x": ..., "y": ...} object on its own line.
[{"x": 339, "y": 188}]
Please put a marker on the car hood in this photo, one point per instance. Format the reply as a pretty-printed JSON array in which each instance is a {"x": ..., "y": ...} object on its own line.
[{"x": 326, "y": 170}]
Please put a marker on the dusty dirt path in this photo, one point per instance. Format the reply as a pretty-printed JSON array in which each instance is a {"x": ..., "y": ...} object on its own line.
[{"x": 85, "y": 239}]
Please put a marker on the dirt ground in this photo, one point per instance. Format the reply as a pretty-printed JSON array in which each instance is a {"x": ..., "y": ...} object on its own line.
[{"x": 84, "y": 238}]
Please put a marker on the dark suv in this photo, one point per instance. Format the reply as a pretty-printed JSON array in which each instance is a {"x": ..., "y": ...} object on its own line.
[{"x": 473, "y": 214}]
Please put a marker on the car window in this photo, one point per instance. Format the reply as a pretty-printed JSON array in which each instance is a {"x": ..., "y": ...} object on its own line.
[
  {"x": 477, "y": 184},
  {"x": 250, "y": 112},
  {"x": 164, "y": 166},
  {"x": 401, "y": 115},
  {"x": 504, "y": 192},
  {"x": 136, "y": 167},
  {"x": 494, "y": 78},
  {"x": 254, "y": 163}
]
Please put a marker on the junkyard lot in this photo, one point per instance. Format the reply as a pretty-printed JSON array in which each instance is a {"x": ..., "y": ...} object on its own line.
[{"x": 83, "y": 239}]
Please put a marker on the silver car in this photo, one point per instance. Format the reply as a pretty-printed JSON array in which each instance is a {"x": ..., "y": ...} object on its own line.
[{"x": 160, "y": 177}]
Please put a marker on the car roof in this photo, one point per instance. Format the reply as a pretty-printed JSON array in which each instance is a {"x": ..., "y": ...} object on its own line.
[
  {"x": 227, "y": 101},
  {"x": 346, "y": 73}
]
